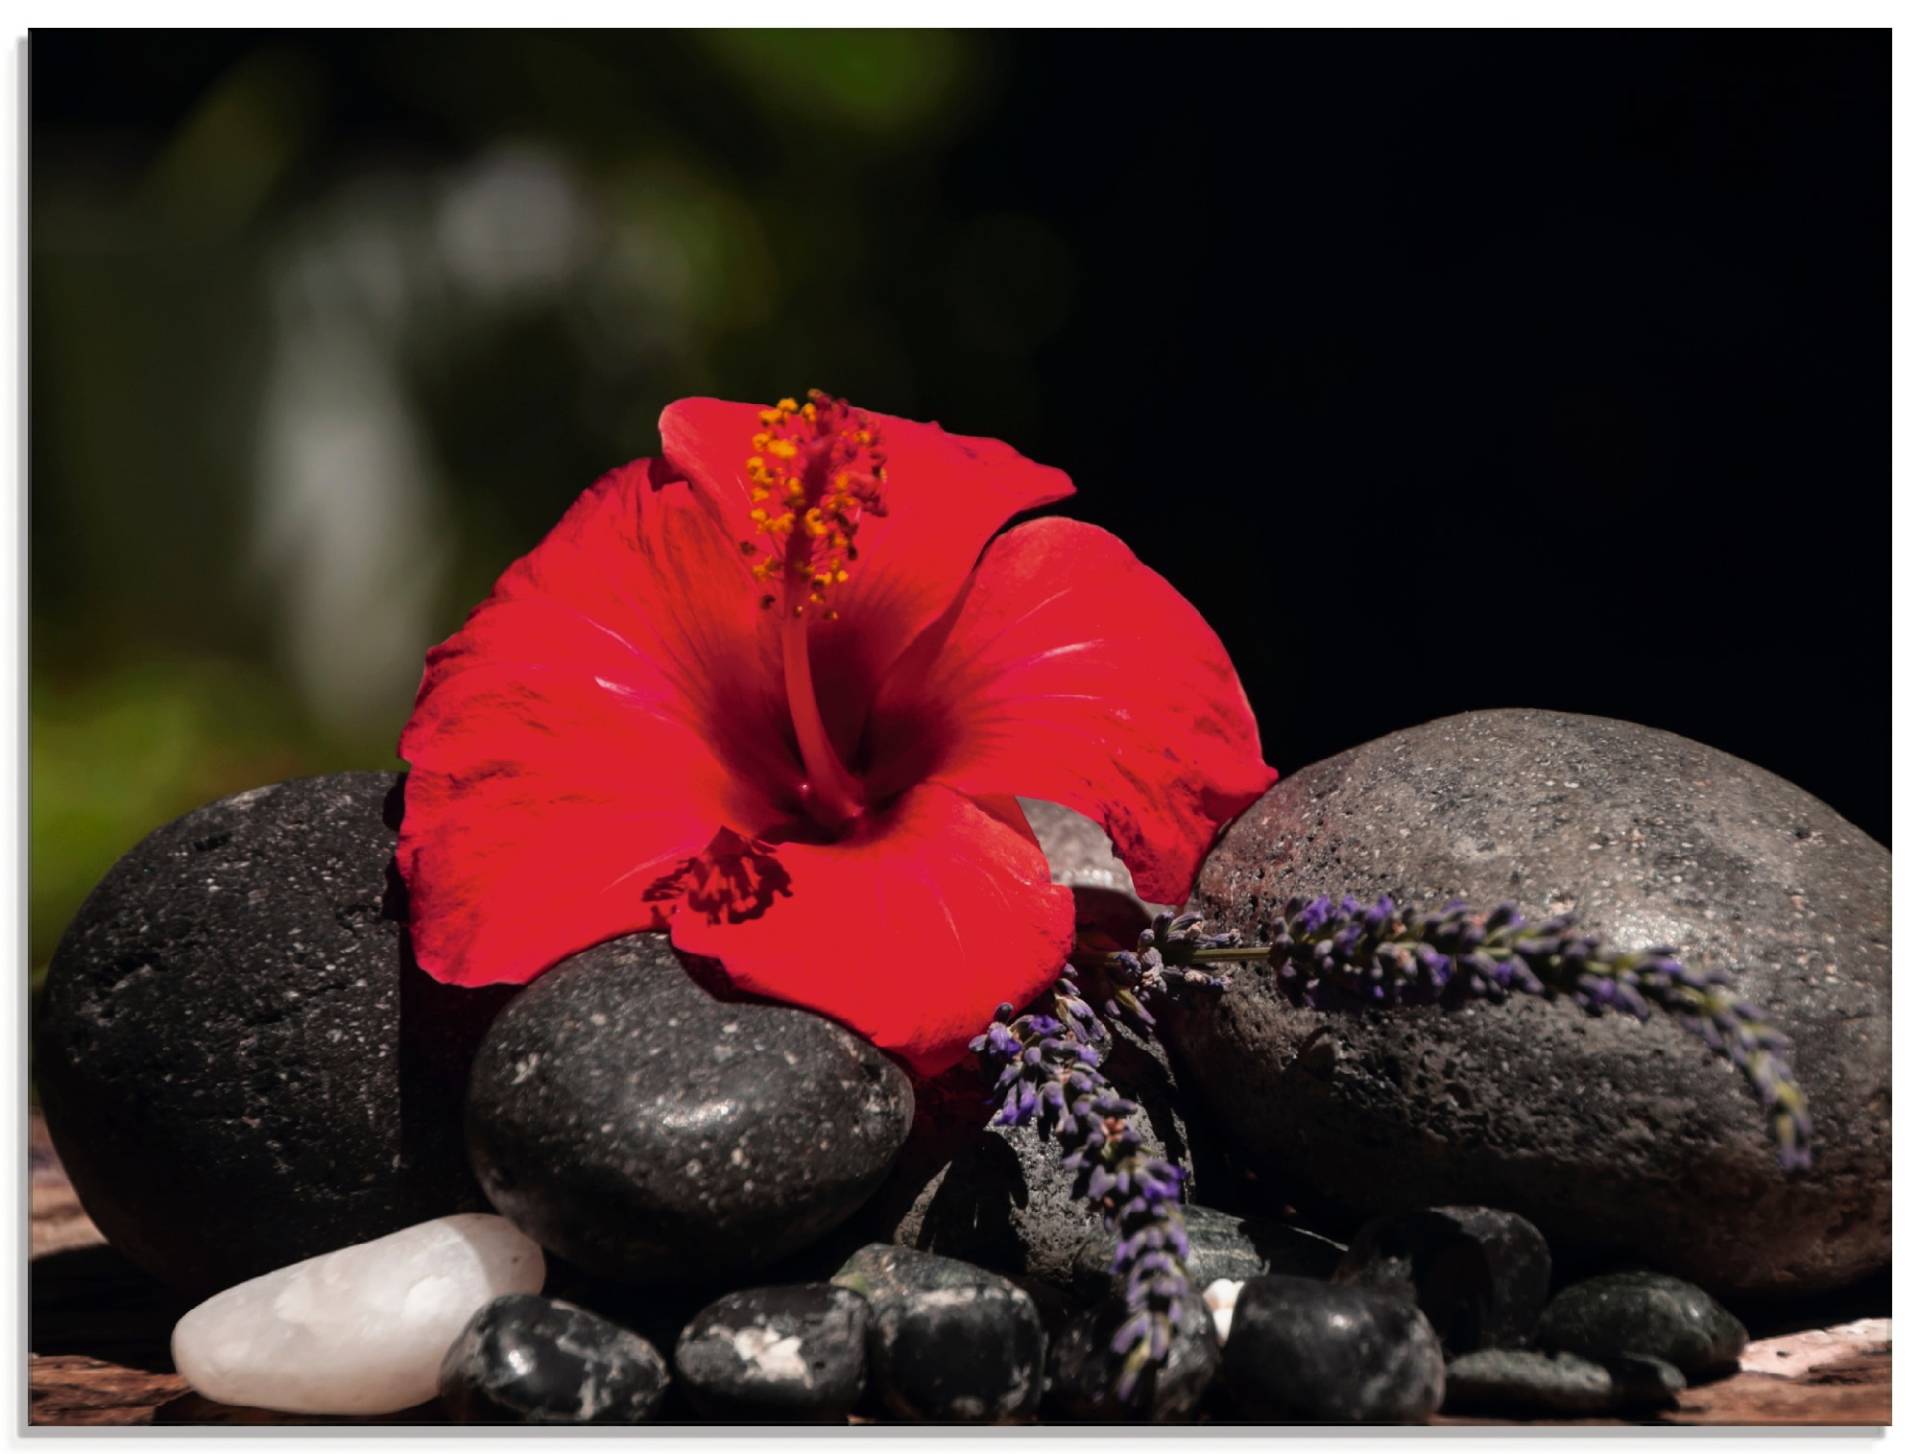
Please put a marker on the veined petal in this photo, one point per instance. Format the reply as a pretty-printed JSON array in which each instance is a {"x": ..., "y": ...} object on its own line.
[
  {"x": 911, "y": 930},
  {"x": 598, "y": 718},
  {"x": 1069, "y": 671},
  {"x": 945, "y": 496}
]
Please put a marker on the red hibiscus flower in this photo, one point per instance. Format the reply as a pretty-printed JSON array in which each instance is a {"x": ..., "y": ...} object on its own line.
[{"x": 769, "y": 692}]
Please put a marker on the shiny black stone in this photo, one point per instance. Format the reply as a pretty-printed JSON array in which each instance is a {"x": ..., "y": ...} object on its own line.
[
  {"x": 1480, "y": 1275},
  {"x": 638, "y": 1126},
  {"x": 776, "y": 1354},
  {"x": 1313, "y": 1352},
  {"x": 525, "y": 1359},
  {"x": 974, "y": 1353},
  {"x": 1645, "y": 1313}
]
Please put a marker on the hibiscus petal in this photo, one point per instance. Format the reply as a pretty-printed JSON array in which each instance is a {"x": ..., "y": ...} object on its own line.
[
  {"x": 946, "y": 494},
  {"x": 911, "y": 930},
  {"x": 1069, "y": 671},
  {"x": 585, "y": 733}
]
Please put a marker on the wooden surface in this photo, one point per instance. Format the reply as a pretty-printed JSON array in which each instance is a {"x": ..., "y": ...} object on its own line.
[{"x": 99, "y": 1335}]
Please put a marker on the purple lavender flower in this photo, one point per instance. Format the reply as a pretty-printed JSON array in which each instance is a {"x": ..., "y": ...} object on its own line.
[
  {"x": 1045, "y": 1068},
  {"x": 1348, "y": 957}
]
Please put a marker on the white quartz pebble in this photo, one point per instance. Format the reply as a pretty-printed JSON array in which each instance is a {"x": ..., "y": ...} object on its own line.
[
  {"x": 358, "y": 1331},
  {"x": 1220, "y": 1297}
]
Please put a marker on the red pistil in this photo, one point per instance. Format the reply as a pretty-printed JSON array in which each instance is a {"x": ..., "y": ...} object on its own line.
[
  {"x": 815, "y": 473},
  {"x": 832, "y": 796}
]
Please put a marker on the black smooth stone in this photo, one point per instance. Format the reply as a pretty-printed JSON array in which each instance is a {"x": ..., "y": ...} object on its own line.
[
  {"x": 525, "y": 1359},
  {"x": 1480, "y": 1275},
  {"x": 1641, "y": 1382},
  {"x": 1645, "y": 1313},
  {"x": 1515, "y": 1381},
  {"x": 1083, "y": 1370},
  {"x": 972, "y": 1353},
  {"x": 649, "y": 1132},
  {"x": 1302, "y": 1351},
  {"x": 776, "y": 1354},
  {"x": 239, "y": 1062},
  {"x": 1521, "y": 1382}
]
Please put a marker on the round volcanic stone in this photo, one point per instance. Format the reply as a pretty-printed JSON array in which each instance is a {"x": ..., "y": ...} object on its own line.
[
  {"x": 240, "y": 1065},
  {"x": 637, "y": 1126},
  {"x": 1615, "y": 1138}
]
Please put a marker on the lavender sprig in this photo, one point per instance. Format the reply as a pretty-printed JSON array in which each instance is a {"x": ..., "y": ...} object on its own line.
[
  {"x": 1045, "y": 1067},
  {"x": 1349, "y": 955}
]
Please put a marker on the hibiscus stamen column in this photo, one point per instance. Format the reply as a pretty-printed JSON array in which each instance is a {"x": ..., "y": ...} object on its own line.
[
  {"x": 831, "y": 794},
  {"x": 815, "y": 473}
]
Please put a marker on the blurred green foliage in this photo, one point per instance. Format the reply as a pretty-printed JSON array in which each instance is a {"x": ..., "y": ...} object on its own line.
[{"x": 326, "y": 330}]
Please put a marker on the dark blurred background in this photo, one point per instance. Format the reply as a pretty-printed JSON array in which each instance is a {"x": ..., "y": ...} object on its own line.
[{"x": 1439, "y": 371}]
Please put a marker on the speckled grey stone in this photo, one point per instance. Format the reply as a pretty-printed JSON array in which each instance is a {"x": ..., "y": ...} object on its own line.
[
  {"x": 636, "y": 1125},
  {"x": 968, "y": 1354},
  {"x": 1078, "y": 851},
  {"x": 532, "y": 1360},
  {"x": 1312, "y": 1352},
  {"x": 1644, "y": 1313},
  {"x": 1610, "y": 1135},
  {"x": 792, "y": 1355},
  {"x": 1533, "y": 1383},
  {"x": 240, "y": 1065},
  {"x": 1221, "y": 1245},
  {"x": 1082, "y": 1368},
  {"x": 1480, "y": 1275}
]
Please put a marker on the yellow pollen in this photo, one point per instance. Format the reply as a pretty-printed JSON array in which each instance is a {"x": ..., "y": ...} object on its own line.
[{"x": 822, "y": 462}]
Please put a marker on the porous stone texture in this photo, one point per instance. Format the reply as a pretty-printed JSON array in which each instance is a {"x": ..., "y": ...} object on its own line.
[
  {"x": 790, "y": 1355},
  {"x": 240, "y": 1064},
  {"x": 1081, "y": 1368},
  {"x": 1610, "y": 1135},
  {"x": 1312, "y": 1352},
  {"x": 996, "y": 1195},
  {"x": 638, "y": 1126},
  {"x": 968, "y": 1354},
  {"x": 361, "y": 1330},
  {"x": 532, "y": 1360},
  {"x": 1645, "y": 1313},
  {"x": 1480, "y": 1275}
]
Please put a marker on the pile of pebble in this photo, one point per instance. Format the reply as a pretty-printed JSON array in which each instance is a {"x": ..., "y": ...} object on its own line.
[
  {"x": 1444, "y": 1307},
  {"x": 620, "y": 1195}
]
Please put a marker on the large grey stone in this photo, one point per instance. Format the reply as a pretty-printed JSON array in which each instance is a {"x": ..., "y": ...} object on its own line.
[
  {"x": 1610, "y": 1135},
  {"x": 648, "y": 1131},
  {"x": 240, "y": 1064}
]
